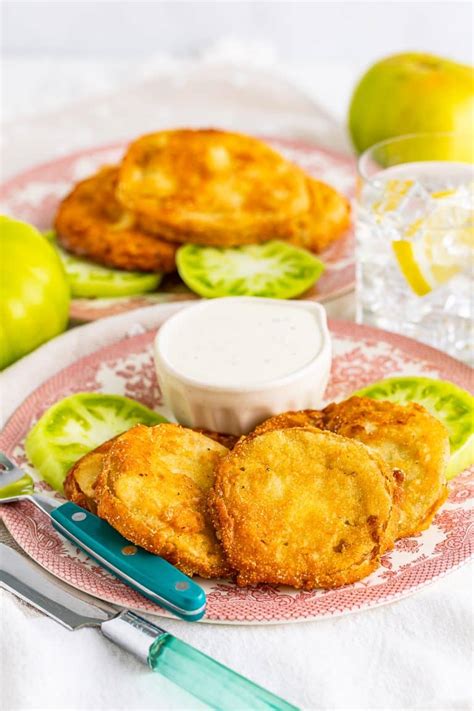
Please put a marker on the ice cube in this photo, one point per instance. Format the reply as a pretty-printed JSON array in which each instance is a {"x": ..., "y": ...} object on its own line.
[
  {"x": 415, "y": 205},
  {"x": 453, "y": 209}
]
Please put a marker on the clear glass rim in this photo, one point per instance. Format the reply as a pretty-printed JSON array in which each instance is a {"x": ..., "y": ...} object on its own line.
[{"x": 401, "y": 139}]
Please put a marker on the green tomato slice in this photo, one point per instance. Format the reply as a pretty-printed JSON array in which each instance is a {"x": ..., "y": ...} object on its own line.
[
  {"x": 444, "y": 400},
  {"x": 77, "y": 424},
  {"x": 89, "y": 280},
  {"x": 274, "y": 269}
]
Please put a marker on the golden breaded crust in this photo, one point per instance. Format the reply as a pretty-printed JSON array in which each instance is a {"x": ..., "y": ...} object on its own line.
[
  {"x": 408, "y": 438},
  {"x": 153, "y": 489},
  {"x": 211, "y": 187},
  {"x": 79, "y": 485},
  {"x": 292, "y": 418},
  {"x": 327, "y": 219},
  {"x": 91, "y": 223},
  {"x": 302, "y": 507},
  {"x": 315, "y": 418},
  {"x": 80, "y": 482}
]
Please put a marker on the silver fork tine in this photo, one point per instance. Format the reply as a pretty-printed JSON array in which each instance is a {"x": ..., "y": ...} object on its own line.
[{"x": 10, "y": 474}]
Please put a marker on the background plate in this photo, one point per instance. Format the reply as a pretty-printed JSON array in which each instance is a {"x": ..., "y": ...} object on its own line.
[
  {"x": 361, "y": 356},
  {"x": 33, "y": 196}
]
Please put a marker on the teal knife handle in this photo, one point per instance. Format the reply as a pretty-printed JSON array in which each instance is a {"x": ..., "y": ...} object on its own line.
[
  {"x": 149, "y": 574},
  {"x": 208, "y": 680},
  {"x": 216, "y": 685}
]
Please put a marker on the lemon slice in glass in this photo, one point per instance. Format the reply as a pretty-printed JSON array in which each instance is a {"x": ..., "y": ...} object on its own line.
[
  {"x": 437, "y": 247},
  {"x": 394, "y": 192}
]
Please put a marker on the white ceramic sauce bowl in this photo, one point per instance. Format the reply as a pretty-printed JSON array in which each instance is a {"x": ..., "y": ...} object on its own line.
[{"x": 199, "y": 351}]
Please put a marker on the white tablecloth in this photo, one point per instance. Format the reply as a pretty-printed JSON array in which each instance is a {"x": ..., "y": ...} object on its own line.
[{"x": 413, "y": 654}]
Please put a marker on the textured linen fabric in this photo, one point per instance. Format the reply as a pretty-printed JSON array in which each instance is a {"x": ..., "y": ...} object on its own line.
[{"x": 413, "y": 654}]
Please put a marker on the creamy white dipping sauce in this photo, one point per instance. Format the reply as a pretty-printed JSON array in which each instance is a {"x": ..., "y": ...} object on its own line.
[{"x": 239, "y": 343}]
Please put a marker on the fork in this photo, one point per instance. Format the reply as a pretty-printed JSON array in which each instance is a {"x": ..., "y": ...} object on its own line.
[{"x": 149, "y": 574}]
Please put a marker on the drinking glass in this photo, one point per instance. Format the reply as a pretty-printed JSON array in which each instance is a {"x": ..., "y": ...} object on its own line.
[{"x": 415, "y": 239}]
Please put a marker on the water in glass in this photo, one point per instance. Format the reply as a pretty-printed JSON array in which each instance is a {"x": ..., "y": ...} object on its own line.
[{"x": 415, "y": 245}]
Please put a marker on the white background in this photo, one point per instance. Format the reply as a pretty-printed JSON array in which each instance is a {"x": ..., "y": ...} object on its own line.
[
  {"x": 55, "y": 52},
  {"x": 301, "y": 31}
]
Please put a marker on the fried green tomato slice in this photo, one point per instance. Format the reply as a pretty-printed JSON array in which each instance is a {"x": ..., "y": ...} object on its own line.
[
  {"x": 449, "y": 403},
  {"x": 409, "y": 439},
  {"x": 153, "y": 489},
  {"x": 92, "y": 224},
  {"x": 302, "y": 507}
]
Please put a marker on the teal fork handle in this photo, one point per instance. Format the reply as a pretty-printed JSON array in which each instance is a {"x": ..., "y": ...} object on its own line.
[{"x": 149, "y": 574}]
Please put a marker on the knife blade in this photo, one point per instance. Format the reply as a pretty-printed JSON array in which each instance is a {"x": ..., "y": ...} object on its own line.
[
  {"x": 26, "y": 580},
  {"x": 200, "y": 675}
]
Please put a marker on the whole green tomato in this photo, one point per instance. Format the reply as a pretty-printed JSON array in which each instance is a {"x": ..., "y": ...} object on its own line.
[
  {"x": 34, "y": 292},
  {"x": 415, "y": 93}
]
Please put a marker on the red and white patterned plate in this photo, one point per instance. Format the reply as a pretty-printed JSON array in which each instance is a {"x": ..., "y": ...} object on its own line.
[
  {"x": 361, "y": 355},
  {"x": 34, "y": 196}
]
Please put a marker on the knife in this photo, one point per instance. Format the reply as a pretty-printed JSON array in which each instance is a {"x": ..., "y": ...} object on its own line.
[
  {"x": 147, "y": 573},
  {"x": 203, "y": 677}
]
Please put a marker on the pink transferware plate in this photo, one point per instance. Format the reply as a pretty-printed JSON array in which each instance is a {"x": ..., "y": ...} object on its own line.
[
  {"x": 361, "y": 356},
  {"x": 34, "y": 195}
]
